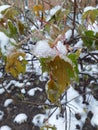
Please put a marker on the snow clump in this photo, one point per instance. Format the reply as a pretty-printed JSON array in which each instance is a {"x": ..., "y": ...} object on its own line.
[
  {"x": 5, "y": 127},
  {"x": 21, "y": 118},
  {"x": 8, "y": 102}
]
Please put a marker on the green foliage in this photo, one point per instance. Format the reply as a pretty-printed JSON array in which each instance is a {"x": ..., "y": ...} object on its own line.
[
  {"x": 12, "y": 29},
  {"x": 90, "y": 39}
]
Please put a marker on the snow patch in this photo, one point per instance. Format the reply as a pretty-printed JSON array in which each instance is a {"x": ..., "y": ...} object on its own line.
[
  {"x": 21, "y": 118},
  {"x": 5, "y": 127},
  {"x": 8, "y": 102},
  {"x": 38, "y": 120},
  {"x": 32, "y": 91}
]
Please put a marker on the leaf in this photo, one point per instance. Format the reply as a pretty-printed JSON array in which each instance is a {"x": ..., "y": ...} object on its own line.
[
  {"x": 14, "y": 66},
  {"x": 54, "y": 31},
  {"x": 12, "y": 29},
  {"x": 21, "y": 27},
  {"x": 91, "y": 15},
  {"x": 74, "y": 58},
  {"x": 88, "y": 38},
  {"x": 37, "y": 9},
  {"x": 10, "y": 13},
  {"x": 44, "y": 63},
  {"x": 61, "y": 74},
  {"x": 53, "y": 91}
]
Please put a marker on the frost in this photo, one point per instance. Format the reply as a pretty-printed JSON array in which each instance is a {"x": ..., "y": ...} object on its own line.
[
  {"x": 32, "y": 91},
  {"x": 8, "y": 102},
  {"x": 5, "y": 127},
  {"x": 1, "y": 115},
  {"x": 21, "y": 118}
]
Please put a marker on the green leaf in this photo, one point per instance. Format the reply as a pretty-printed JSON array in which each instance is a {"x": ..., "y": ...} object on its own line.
[
  {"x": 44, "y": 63},
  {"x": 74, "y": 58},
  {"x": 12, "y": 29},
  {"x": 88, "y": 38}
]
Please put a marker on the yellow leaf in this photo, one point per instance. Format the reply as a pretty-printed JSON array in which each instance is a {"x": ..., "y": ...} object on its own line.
[
  {"x": 52, "y": 91},
  {"x": 37, "y": 9},
  {"x": 14, "y": 65},
  {"x": 61, "y": 73}
]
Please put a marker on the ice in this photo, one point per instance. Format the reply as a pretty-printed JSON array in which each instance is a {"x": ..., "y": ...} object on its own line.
[{"x": 21, "y": 118}]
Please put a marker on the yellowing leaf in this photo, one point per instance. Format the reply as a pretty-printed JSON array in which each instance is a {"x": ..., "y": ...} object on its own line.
[
  {"x": 52, "y": 91},
  {"x": 14, "y": 65},
  {"x": 61, "y": 73},
  {"x": 37, "y": 9}
]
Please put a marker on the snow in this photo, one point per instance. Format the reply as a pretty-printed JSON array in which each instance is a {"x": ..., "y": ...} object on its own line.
[
  {"x": 93, "y": 27},
  {"x": 68, "y": 34},
  {"x": 5, "y": 127},
  {"x": 8, "y": 102},
  {"x": 89, "y": 8},
  {"x": 32, "y": 91},
  {"x": 38, "y": 120},
  {"x": 6, "y": 44},
  {"x": 52, "y": 12},
  {"x": 43, "y": 53},
  {"x": 74, "y": 105},
  {"x": 20, "y": 118},
  {"x": 1, "y": 115}
]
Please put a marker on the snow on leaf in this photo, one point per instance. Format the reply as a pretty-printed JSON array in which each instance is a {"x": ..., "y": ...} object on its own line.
[
  {"x": 2, "y": 8},
  {"x": 21, "y": 118},
  {"x": 90, "y": 15},
  {"x": 10, "y": 13}
]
